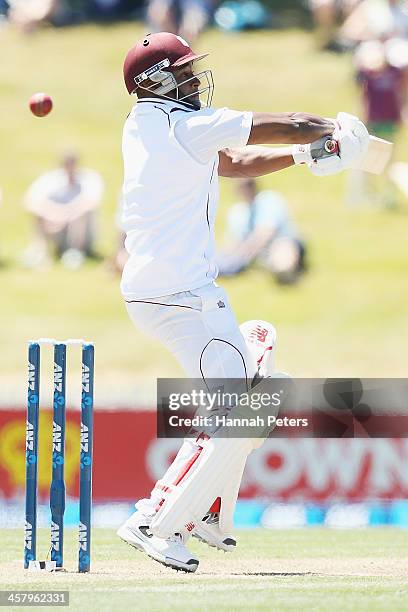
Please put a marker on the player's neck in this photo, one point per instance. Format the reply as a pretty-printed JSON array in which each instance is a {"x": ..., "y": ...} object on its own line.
[{"x": 151, "y": 96}]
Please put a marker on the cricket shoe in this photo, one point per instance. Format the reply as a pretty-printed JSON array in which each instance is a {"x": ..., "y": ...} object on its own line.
[
  {"x": 208, "y": 531},
  {"x": 170, "y": 552}
]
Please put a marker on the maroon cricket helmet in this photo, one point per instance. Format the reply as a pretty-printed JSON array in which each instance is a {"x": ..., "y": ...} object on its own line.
[{"x": 151, "y": 51}]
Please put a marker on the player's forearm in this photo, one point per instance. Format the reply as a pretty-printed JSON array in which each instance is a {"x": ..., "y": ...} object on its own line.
[
  {"x": 288, "y": 128},
  {"x": 253, "y": 161}
]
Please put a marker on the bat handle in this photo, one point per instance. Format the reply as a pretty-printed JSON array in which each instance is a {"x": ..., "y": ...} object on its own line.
[{"x": 331, "y": 146}]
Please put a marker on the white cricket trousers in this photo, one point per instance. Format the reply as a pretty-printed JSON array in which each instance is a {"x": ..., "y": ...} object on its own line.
[{"x": 200, "y": 329}]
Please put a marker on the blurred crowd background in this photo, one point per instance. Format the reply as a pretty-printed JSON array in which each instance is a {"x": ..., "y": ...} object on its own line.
[{"x": 339, "y": 24}]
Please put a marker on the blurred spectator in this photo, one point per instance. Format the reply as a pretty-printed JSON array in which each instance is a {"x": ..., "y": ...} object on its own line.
[
  {"x": 384, "y": 95},
  {"x": 374, "y": 19},
  {"x": 234, "y": 15},
  {"x": 261, "y": 231},
  {"x": 4, "y": 9},
  {"x": 106, "y": 6},
  {"x": 384, "y": 89},
  {"x": 327, "y": 14},
  {"x": 186, "y": 18},
  {"x": 112, "y": 8},
  {"x": 29, "y": 14},
  {"x": 63, "y": 203},
  {"x": 104, "y": 9}
]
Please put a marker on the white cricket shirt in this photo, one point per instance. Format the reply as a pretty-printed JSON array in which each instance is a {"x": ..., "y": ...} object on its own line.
[{"x": 170, "y": 193}]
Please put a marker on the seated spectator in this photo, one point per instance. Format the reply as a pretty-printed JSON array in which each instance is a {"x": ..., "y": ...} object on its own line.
[
  {"x": 63, "y": 203},
  {"x": 261, "y": 231}
]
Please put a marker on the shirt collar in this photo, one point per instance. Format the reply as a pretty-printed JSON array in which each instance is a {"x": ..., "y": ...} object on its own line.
[{"x": 166, "y": 102}]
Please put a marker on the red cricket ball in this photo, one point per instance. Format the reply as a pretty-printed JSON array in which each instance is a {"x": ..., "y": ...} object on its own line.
[{"x": 40, "y": 104}]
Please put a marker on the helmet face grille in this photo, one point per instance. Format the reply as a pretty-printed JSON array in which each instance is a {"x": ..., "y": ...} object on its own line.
[
  {"x": 206, "y": 90},
  {"x": 164, "y": 82}
]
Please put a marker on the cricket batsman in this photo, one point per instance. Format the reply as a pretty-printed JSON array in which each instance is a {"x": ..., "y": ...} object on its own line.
[{"x": 175, "y": 146}]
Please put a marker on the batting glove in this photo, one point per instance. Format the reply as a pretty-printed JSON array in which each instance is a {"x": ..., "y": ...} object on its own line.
[{"x": 350, "y": 139}]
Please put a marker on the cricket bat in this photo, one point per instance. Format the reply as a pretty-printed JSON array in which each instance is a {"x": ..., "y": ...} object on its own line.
[{"x": 377, "y": 156}]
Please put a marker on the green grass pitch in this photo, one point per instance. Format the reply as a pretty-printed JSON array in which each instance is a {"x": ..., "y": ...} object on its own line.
[{"x": 307, "y": 569}]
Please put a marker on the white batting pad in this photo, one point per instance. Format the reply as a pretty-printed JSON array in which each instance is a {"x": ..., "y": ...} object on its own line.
[
  {"x": 215, "y": 470},
  {"x": 207, "y": 478}
]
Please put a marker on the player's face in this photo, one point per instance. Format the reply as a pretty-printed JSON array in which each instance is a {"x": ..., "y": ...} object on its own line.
[{"x": 190, "y": 88}]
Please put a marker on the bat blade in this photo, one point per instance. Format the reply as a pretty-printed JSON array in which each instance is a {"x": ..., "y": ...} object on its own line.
[{"x": 377, "y": 156}]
